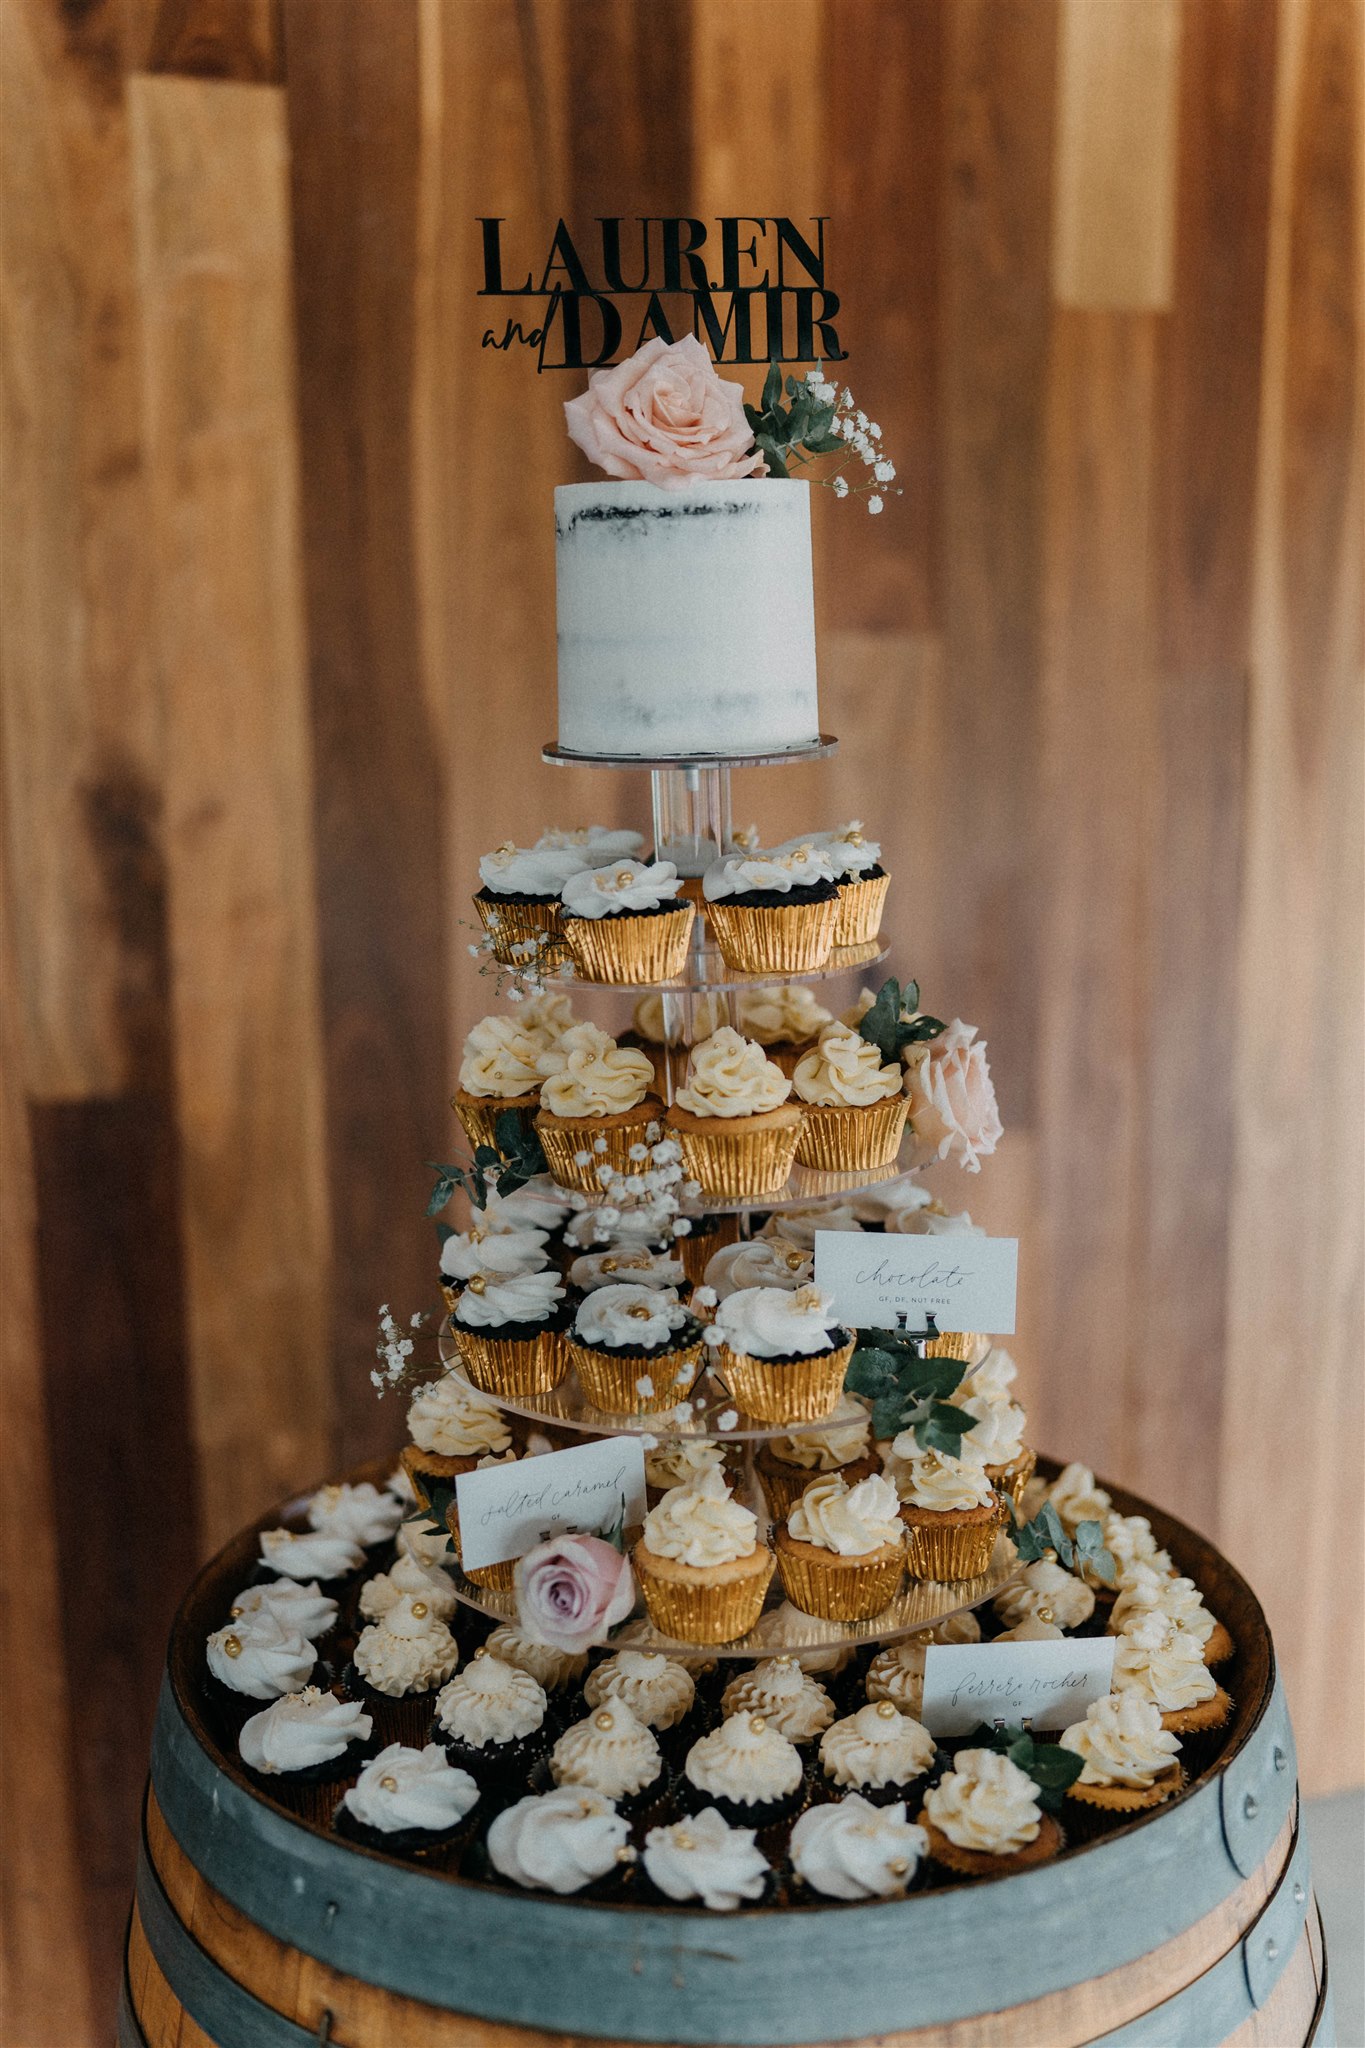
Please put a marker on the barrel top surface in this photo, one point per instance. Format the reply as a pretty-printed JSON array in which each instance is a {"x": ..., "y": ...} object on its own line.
[{"x": 793, "y": 1973}]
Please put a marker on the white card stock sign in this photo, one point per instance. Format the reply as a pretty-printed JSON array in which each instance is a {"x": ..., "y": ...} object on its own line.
[
  {"x": 1049, "y": 1685},
  {"x": 505, "y": 1510},
  {"x": 965, "y": 1283}
]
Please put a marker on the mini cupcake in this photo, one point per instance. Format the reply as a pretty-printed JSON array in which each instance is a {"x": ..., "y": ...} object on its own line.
[
  {"x": 304, "y": 1609},
  {"x": 632, "y": 1265},
  {"x": 951, "y": 1511},
  {"x": 788, "y": 1698},
  {"x": 452, "y": 1427},
  {"x": 408, "y": 1578},
  {"x": 784, "y": 1019},
  {"x": 983, "y": 1818},
  {"x": 786, "y": 1465},
  {"x": 509, "y": 1331},
  {"x": 863, "y": 883},
  {"x": 752, "y": 1775},
  {"x": 497, "y": 1254},
  {"x": 310, "y": 1554},
  {"x": 1145, "y": 1591},
  {"x": 627, "y": 922},
  {"x": 896, "y": 1674},
  {"x": 732, "y": 1118},
  {"x": 855, "y": 1106},
  {"x": 1164, "y": 1664},
  {"x": 1131, "y": 1762},
  {"x": 635, "y": 1349},
  {"x": 363, "y": 1513},
  {"x": 491, "y": 1717},
  {"x": 518, "y": 901},
  {"x": 773, "y": 913},
  {"x": 303, "y": 1744},
  {"x": 567, "y": 1841},
  {"x": 405, "y": 1656},
  {"x": 841, "y": 1552},
  {"x": 704, "y": 1861},
  {"x": 783, "y": 1356},
  {"x": 878, "y": 1752},
  {"x": 1045, "y": 1592},
  {"x": 660, "y": 1692},
  {"x": 595, "y": 1105},
  {"x": 700, "y": 1565},
  {"x": 760, "y": 1262},
  {"x": 499, "y": 1072},
  {"x": 407, "y": 1801},
  {"x": 614, "y": 1753},
  {"x": 557, "y": 1671},
  {"x": 259, "y": 1657},
  {"x": 857, "y": 1850}
]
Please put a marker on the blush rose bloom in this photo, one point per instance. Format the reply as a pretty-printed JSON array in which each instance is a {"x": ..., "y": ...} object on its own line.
[
  {"x": 664, "y": 417},
  {"x": 572, "y": 1590},
  {"x": 953, "y": 1111}
]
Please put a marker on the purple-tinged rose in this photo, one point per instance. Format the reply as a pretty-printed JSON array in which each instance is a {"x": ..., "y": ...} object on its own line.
[
  {"x": 572, "y": 1590},
  {"x": 664, "y": 417}
]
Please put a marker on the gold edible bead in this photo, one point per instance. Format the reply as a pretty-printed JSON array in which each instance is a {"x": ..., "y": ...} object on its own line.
[
  {"x": 611, "y": 1265},
  {"x": 233, "y": 1612},
  {"x": 625, "y": 1854},
  {"x": 783, "y": 1659},
  {"x": 898, "y": 1866},
  {"x": 604, "y": 1721},
  {"x": 389, "y": 1784},
  {"x": 477, "y": 1284},
  {"x": 887, "y": 1710},
  {"x": 1044, "y": 1614},
  {"x": 682, "y": 1840},
  {"x": 757, "y": 1723},
  {"x": 641, "y": 1311},
  {"x": 232, "y": 1645},
  {"x": 419, "y": 1608}
]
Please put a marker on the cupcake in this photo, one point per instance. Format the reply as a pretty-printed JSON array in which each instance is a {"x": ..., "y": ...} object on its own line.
[
  {"x": 260, "y": 1657},
  {"x": 951, "y": 1511},
  {"x": 704, "y": 1861},
  {"x": 731, "y": 1116},
  {"x": 841, "y": 1552},
  {"x": 406, "y": 1801},
  {"x": 773, "y": 913},
  {"x": 499, "y": 1074},
  {"x": 784, "y": 1019},
  {"x": 896, "y": 1674},
  {"x": 700, "y": 1565},
  {"x": 614, "y": 1753},
  {"x": 1045, "y": 1592},
  {"x": 363, "y": 1513},
  {"x": 304, "y": 1609},
  {"x": 408, "y": 1578},
  {"x": 1131, "y": 1762},
  {"x": 631, "y": 1265},
  {"x": 509, "y": 1331},
  {"x": 304, "y": 1743},
  {"x": 497, "y": 1254},
  {"x": 752, "y": 1775},
  {"x": 595, "y": 1105},
  {"x": 788, "y": 1698},
  {"x": 855, "y": 1106},
  {"x": 310, "y": 1554},
  {"x": 983, "y": 1818},
  {"x": 568, "y": 1840},
  {"x": 698, "y": 1239},
  {"x": 635, "y": 1349},
  {"x": 518, "y": 900},
  {"x": 404, "y": 1656},
  {"x": 857, "y": 1850},
  {"x": 452, "y": 1427},
  {"x": 786, "y": 1465},
  {"x": 659, "y": 1691},
  {"x": 783, "y": 1356},
  {"x": 760, "y": 1262},
  {"x": 627, "y": 922},
  {"x": 996, "y": 1439},
  {"x": 1164, "y": 1664},
  {"x": 878, "y": 1752},
  {"x": 679, "y": 1460},
  {"x": 556, "y": 1671},
  {"x": 863, "y": 883},
  {"x": 664, "y": 1034},
  {"x": 1145, "y": 1591},
  {"x": 491, "y": 1717}
]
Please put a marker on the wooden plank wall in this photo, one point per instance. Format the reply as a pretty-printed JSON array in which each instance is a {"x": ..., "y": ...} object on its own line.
[{"x": 278, "y": 590}]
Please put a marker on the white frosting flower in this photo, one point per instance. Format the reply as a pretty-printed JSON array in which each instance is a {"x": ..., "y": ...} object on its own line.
[
  {"x": 541, "y": 1204},
  {"x": 411, "y": 1788},
  {"x": 728, "y": 1075},
  {"x": 933, "y": 1222},
  {"x": 701, "y": 1524},
  {"x": 953, "y": 1111},
  {"x": 876, "y": 1747},
  {"x": 500, "y": 1056},
  {"x": 704, "y": 1858},
  {"x": 305, "y": 1609},
  {"x": 1163, "y": 1663},
  {"x": 851, "y": 854},
  {"x": 1031, "y": 1630},
  {"x": 985, "y": 1803},
  {"x": 600, "y": 842},
  {"x": 798, "y": 1226},
  {"x": 589, "y": 1074},
  {"x": 850, "y": 1521},
  {"x": 550, "y": 1667},
  {"x": 892, "y": 1198},
  {"x": 409, "y": 1650},
  {"x": 453, "y": 1420},
  {"x": 990, "y": 1378},
  {"x": 558, "y": 1842},
  {"x": 548, "y": 1016},
  {"x": 747, "y": 874},
  {"x": 488, "y": 1302},
  {"x": 658, "y": 1690},
  {"x": 997, "y": 1435},
  {"x": 490, "y": 1701},
  {"x": 302, "y": 1730},
  {"x": 761, "y": 1262},
  {"x": 785, "y": 1014},
  {"x": 1122, "y": 1741},
  {"x": 932, "y": 1479},
  {"x": 640, "y": 1266},
  {"x": 706, "y": 1014},
  {"x": 1046, "y": 1592},
  {"x": 1145, "y": 1591},
  {"x": 854, "y": 1850},
  {"x": 494, "y": 1252},
  {"x": 1077, "y": 1498},
  {"x": 530, "y": 870},
  {"x": 621, "y": 887},
  {"x": 897, "y": 1672},
  {"x": 261, "y": 1656},
  {"x": 745, "y": 1760},
  {"x": 840, "y": 1441},
  {"x": 310, "y": 1553},
  {"x": 408, "y": 1578},
  {"x": 612, "y": 1752},
  {"x": 793, "y": 1702},
  {"x": 361, "y": 1512},
  {"x": 675, "y": 1463},
  {"x": 1129, "y": 1541},
  {"x": 624, "y": 1315},
  {"x": 843, "y": 1070},
  {"x": 768, "y": 1322}
]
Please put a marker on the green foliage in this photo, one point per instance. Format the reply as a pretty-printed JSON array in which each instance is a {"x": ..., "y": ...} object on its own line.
[
  {"x": 1051, "y": 1766},
  {"x": 892, "y": 1023},
  {"x": 802, "y": 423},
  {"x": 1045, "y": 1533},
  {"x": 908, "y": 1391},
  {"x": 516, "y": 1158}
]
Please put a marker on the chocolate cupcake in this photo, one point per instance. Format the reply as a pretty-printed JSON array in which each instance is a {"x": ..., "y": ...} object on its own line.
[
  {"x": 571, "y": 1841},
  {"x": 614, "y": 1753},
  {"x": 881, "y": 1754},
  {"x": 788, "y": 1698},
  {"x": 407, "y": 1802},
  {"x": 855, "y": 1850},
  {"x": 401, "y": 1660},
  {"x": 659, "y": 1691},
  {"x": 303, "y": 1744},
  {"x": 752, "y": 1775},
  {"x": 258, "y": 1657},
  {"x": 703, "y": 1861}
]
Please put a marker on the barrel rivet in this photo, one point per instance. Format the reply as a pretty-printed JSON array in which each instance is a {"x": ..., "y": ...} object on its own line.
[
  {"x": 1281, "y": 1759},
  {"x": 1251, "y": 1806},
  {"x": 1272, "y": 1948},
  {"x": 1299, "y": 1893}
]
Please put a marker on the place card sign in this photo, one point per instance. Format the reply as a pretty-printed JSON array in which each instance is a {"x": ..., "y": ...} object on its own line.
[
  {"x": 1047, "y": 1685},
  {"x": 505, "y": 1510},
  {"x": 877, "y": 1279}
]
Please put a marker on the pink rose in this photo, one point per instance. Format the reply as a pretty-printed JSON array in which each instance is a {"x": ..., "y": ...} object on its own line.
[
  {"x": 572, "y": 1590},
  {"x": 953, "y": 1111},
  {"x": 664, "y": 417}
]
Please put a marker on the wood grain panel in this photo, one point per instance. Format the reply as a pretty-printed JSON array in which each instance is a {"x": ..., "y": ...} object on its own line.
[
  {"x": 236, "y": 39},
  {"x": 211, "y": 186}
]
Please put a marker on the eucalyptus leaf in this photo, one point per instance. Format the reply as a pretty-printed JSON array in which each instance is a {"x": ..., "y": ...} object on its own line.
[{"x": 772, "y": 386}]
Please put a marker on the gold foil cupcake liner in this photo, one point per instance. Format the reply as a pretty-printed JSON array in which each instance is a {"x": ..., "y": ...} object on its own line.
[
  {"x": 783, "y": 1487},
  {"x": 800, "y": 1390},
  {"x": 697, "y": 1250},
  {"x": 770, "y": 939},
  {"x": 479, "y": 1114},
  {"x": 498, "y": 1578},
  {"x": 860, "y": 908},
  {"x": 730, "y": 1164},
  {"x": 839, "y": 1589},
  {"x": 611, "y": 1383},
  {"x": 517, "y": 1367},
  {"x": 512, "y": 924},
  {"x": 709, "y": 1613},
  {"x": 962, "y": 1344},
  {"x": 450, "y": 1294},
  {"x": 1014, "y": 1477},
  {"x": 959, "y": 1550},
  {"x": 1128, "y": 1798},
  {"x": 563, "y": 1138},
  {"x": 631, "y": 949},
  {"x": 846, "y": 1138}
]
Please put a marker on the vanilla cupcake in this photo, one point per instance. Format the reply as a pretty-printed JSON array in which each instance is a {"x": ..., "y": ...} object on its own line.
[
  {"x": 1131, "y": 1762},
  {"x": 896, "y": 1674},
  {"x": 659, "y": 1691},
  {"x": 863, "y": 883},
  {"x": 841, "y": 1553},
  {"x": 492, "y": 1718},
  {"x": 782, "y": 1355},
  {"x": 855, "y": 1850},
  {"x": 519, "y": 901},
  {"x": 260, "y": 1657},
  {"x": 1145, "y": 1591},
  {"x": 509, "y": 1331},
  {"x": 614, "y": 1753},
  {"x": 1045, "y": 1591},
  {"x": 786, "y": 1465},
  {"x": 635, "y": 1349},
  {"x": 749, "y": 1772},
  {"x": 704, "y": 1861},
  {"x": 627, "y": 922},
  {"x": 407, "y": 1801},
  {"x": 951, "y": 1511},
  {"x": 700, "y": 1565},
  {"x": 404, "y": 1656},
  {"x": 773, "y": 913},
  {"x": 855, "y": 1106},
  {"x": 300, "y": 1746},
  {"x": 731, "y": 1116},
  {"x": 567, "y": 1841},
  {"x": 880, "y": 1753},
  {"x": 453, "y": 1428},
  {"x": 1164, "y": 1664},
  {"x": 1077, "y": 1498},
  {"x": 499, "y": 1073},
  {"x": 759, "y": 1262},
  {"x": 787, "y": 1697},
  {"x": 983, "y": 1818},
  {"x": 595, "y": 1105},
  {"x": 784, "y": 1018},
  {"x": 408, "y": 1578}
]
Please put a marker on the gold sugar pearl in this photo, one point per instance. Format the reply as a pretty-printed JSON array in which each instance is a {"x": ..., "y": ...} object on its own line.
[
  {"x": 389, "y": 1784},
  {"x": 887, "y": 1710},
  {"x": 604, "y": 1721},
  {"x": 232, "y": 1645},
  {"x": 785, "y": 1659},
  {"x": 611, "y": 1265},
  {"x": 1045, "y": 1614},
  {"x": 477, "y": 1284},
  {"x": 625, "y": 1854},
  {"x": 757, "y": 1723},
  {"x": 682, "y": 1840},
  {"x": 898, "y": 1866},
  {"x": 640, "y": 1311},
  {"x": 234, "y": 1612},
  {"x": 419, "y": 1608}
]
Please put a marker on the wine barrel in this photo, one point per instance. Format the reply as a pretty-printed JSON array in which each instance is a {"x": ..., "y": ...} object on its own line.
[{"x": 1190, "y": 1927}]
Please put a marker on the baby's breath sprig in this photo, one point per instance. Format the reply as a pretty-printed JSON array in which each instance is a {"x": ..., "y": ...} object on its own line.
[
  {"x": 647, "y": 1198},
  {"x": 820, "y": 420},
  {"x": 398, "y": 1367},
  {"x": 525, "y": 974}
]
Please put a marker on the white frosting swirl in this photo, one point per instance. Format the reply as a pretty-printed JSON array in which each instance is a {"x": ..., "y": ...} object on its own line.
[
  {"x": 794, "y": 1703},
  {"x": 589, "y": 1074},
  {"x": 746, "y": 874},
  {"x": 639, "y": 1266},
  {"x": 451, "y": 1419},
  {"x": 500, "y": 1058},
  {"x": 877, "y": 1746},
  {"x": 408, "y": 1578},
  {"x": 602, "y": 842},
  {"x": 997, "y": 1436},
  {"x": 890, "y": 1198},
  {"x": 309, "y": 1553},
  {"x": 704, "y": 1858},
  {"x": 785, "y": 1014},
  {"x": 1129, "y": 1541},
  {"x": 676, "y": 1463},
  {"x": 306, "y": 1610},
  {"x": 547, "y": 1016},
  {"x": 855, "y": 1850},
  {"x": 985, "y": 1803},
  {"x": 302, "y": 1730},
  {"x": 844, "y": 1070},
  {"x": 762, "y": 1262},
  {"x": 1045, "y": 1591},
  {"x": 1077, "y": 1498},
  {"x": 1122, "y": 1741},
  {"x": 851, "y": 853},
  {"x": 658, "y": 1690},
  {"x": 363, "y": 1512},
  {"x": 626, "y": 1315},
  {"x": 558, "y": 1842},
  {"x": 745, "y": 1760},
  {"x": 932, "y": 1479},
  {"x": 989, "y": 1378},
  {"x": 612, "y": 1752},
  {"x": 494, "y": 1252},
  {"x": 850, "y": 1521},
  {"x": 1145, "y": 1591},
  {"x": 541, "y": 1204},
  {"x": 701, "y": 1523},
  {"x": 1031, "y": 1630},
  {"x": 1163, "y": 1663},
  {"x": 530, "y": 870},
  {"x": 490, "y": 1701},
  {"x": 411, "y": 1788},
  {"x": 841, "y": 1441},
  {"x": 620, "y": 887},
  {"x": 261, "y": 1656},
  {"x": 489, "y": 1301},
  {"x": 897, "y": 1672},
  {"x": 409, "y": 1650},
  {"x": 550, "y": 1668},
  {"x": 768, "y": 1322},
  {"x": 728, "y": 1075}
]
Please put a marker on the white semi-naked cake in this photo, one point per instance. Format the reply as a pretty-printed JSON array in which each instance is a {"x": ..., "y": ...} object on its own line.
[{"x": 686, "y": 618}]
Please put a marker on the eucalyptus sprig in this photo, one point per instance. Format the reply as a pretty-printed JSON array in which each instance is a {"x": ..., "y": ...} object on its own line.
[
  {"x": 894, "y": 1020},
  {"x": 507, "y": 1165},
  {"x": 908, "y": 1391},
  {"x": 1046, "y": 1532},
  {"x": 1051, "y": 1766},
  {"x": 816, "y": 419}
]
